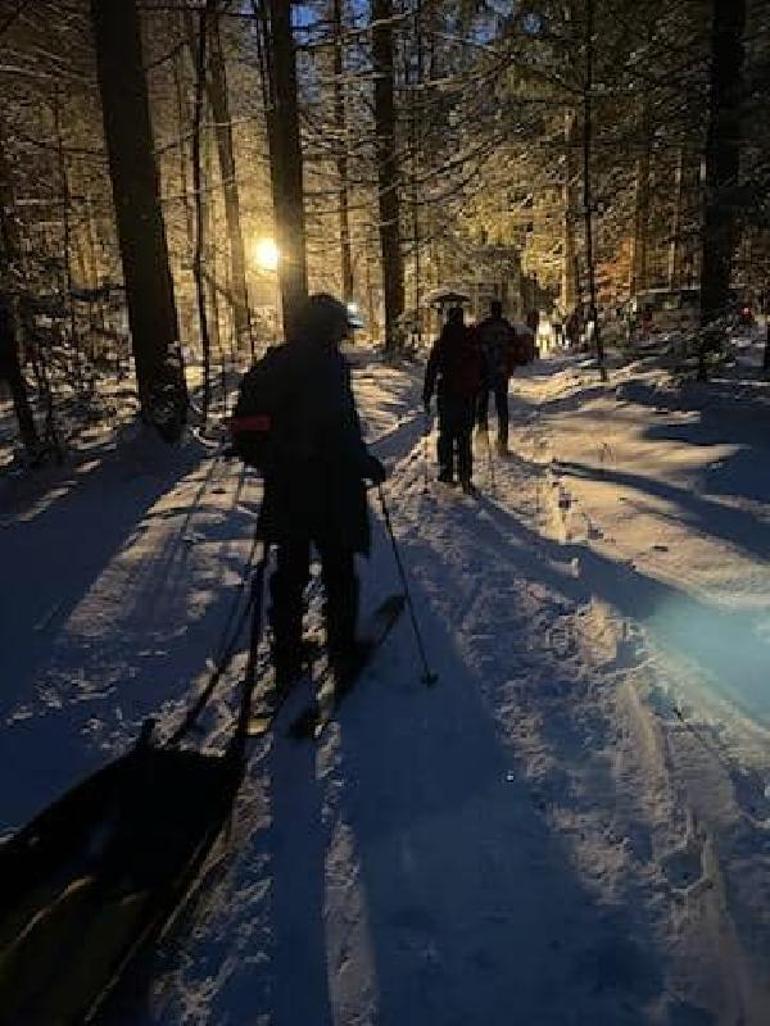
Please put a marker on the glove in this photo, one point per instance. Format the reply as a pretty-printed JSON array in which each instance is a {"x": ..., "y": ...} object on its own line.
[{"x": 375, "y": 470}]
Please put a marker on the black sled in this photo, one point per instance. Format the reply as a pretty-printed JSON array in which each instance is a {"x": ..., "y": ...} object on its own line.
[{"x": 93, "y": 881}]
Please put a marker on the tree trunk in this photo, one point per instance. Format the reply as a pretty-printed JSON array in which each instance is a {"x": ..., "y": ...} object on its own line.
[
  {"x": 674, "y": 257},
  {"x": 416, "y": 127},
  {"x": 200, "y": 202},
  {"x": 723, "y": 147},
  {"x": 387, "y": 168},
  {"x": 569, "y": 286},
  {"x": 220, "y": 106},
  {"x": 340, "y": 125},
  {"x": 10, "y": 261},
  {"x": 371, "y": 307},
  {"x": 183, "y": 125},
  {"x": 66, "y": 242},
  {"x": 587, "y": 194},
  {"x": 10, "y": 370},
  {"x": 141, "y": 231},
  {"x": 279, "y": 69},
  {"x": 639, "y": 248},
  {"x": 210, "y": 254}
]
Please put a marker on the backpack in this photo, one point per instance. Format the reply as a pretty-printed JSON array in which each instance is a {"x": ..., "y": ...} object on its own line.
[
  {"x": 460, "y": 362},
  {"x": 524, "y": 350},
  {"x": 499, "y": 343},
  {"x": 253, "y": 423}
]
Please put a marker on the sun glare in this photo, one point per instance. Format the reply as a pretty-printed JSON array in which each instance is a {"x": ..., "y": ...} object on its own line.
[{"x": 266, "y": 254}]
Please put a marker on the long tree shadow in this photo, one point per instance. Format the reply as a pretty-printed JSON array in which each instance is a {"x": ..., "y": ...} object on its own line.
[
  {"x": 53, "y": 559},
  {"x": 62, "y": 684},
  {"x": 472, "y": 910},
  {"x": 739, "y": 527},
  {"x": 297, "y": 842},
  {"x": 726, "y": 644},
  {"x": 744, "y": 473},
  {"x": 725, "y": 418},
  {"x": 249, "y": 944}
]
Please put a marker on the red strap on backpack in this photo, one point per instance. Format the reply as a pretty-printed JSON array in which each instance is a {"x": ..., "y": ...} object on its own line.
[{"x": 254, "y": 422}]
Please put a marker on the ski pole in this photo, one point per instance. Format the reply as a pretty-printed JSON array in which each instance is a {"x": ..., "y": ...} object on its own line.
[
  {"x": 229, "y": 641},
  {"x": 491, "y": 464},
  {"x": 426, "y": 429},
  {"x": 429, "y": 676}
]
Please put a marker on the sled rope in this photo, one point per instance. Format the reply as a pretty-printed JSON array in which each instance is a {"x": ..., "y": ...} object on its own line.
[{"x": 226, "y": 651}]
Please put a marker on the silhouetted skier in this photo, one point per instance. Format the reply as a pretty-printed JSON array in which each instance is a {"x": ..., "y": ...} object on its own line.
[
  {"x": 499, "y": 348},
  {"x": 296, "y": 410},
  {"x": 454, "y": 372}
]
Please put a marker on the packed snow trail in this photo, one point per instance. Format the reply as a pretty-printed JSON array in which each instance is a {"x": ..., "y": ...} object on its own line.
[{"x": 543, "y": 837}]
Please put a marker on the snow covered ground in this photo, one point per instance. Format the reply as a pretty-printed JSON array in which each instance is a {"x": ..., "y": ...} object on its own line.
[{"x": 571, "y": 827}]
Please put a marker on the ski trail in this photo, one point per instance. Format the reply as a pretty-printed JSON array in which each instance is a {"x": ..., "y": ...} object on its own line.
[
  {"x": 501, "y": 841},
  {"x": 522, "y": 842},
  {"x": 561, "y": 673}
]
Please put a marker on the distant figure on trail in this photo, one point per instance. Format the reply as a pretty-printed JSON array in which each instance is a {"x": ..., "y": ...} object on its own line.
[
  {"x": 573, "y": 328},
  {"x": 454, "y": 372},
  {"x": 556, "y": 326},
  {"x": 499, "y": 349},
  {"x": 296, "y": 420}
]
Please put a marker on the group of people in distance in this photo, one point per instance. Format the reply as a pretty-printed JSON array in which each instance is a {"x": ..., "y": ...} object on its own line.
[{"x": 466, "y": 365}]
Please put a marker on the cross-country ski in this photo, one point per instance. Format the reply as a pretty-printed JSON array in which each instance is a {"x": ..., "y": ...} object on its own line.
[{"x": 331, "y": 690}]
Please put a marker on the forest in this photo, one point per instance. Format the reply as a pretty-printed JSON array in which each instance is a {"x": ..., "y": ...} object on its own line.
[
  {"x": 175, "y": 176},
  {"x": 415, "y": 672}
]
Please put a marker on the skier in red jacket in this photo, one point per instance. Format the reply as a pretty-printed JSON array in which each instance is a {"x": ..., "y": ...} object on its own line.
[{"x": 454, "y": 372}]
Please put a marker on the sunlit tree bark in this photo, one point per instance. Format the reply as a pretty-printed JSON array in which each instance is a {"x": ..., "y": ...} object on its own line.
[
  {"x": 141, "y": 231},
  {"x": 387, "y": 168},
  {"x": 723, "y": 148},
  {"x": 220, "y": 108},
  {"x": 340, "y": 125}
]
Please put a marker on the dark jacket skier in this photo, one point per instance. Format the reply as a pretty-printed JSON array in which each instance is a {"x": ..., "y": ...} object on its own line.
[
  {"x": 499, "y": 346},
  {"x": 454, "y": 372},
  {"x": 314, "y": 466}
]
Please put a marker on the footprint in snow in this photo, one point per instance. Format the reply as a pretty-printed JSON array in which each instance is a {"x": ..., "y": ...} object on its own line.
[
  {"x": 684, "y": 868},
  {"x": 753, "y": 797}
]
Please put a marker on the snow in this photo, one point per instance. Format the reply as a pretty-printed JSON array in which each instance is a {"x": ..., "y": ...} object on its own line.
[{"x": 572, "y": 826}]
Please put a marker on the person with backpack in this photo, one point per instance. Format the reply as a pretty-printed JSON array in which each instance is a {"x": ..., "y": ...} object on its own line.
[
  {"x": 454, "y": 372},
  {"x": 296, "y": 420},
  {"x": 500, "y": 349}
]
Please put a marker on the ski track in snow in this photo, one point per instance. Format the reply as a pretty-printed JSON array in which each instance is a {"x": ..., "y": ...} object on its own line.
[{"x": 570, "y": 827}]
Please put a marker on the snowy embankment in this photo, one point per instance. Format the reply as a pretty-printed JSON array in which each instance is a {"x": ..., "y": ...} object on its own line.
[{"x": 571, "y": 827}]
